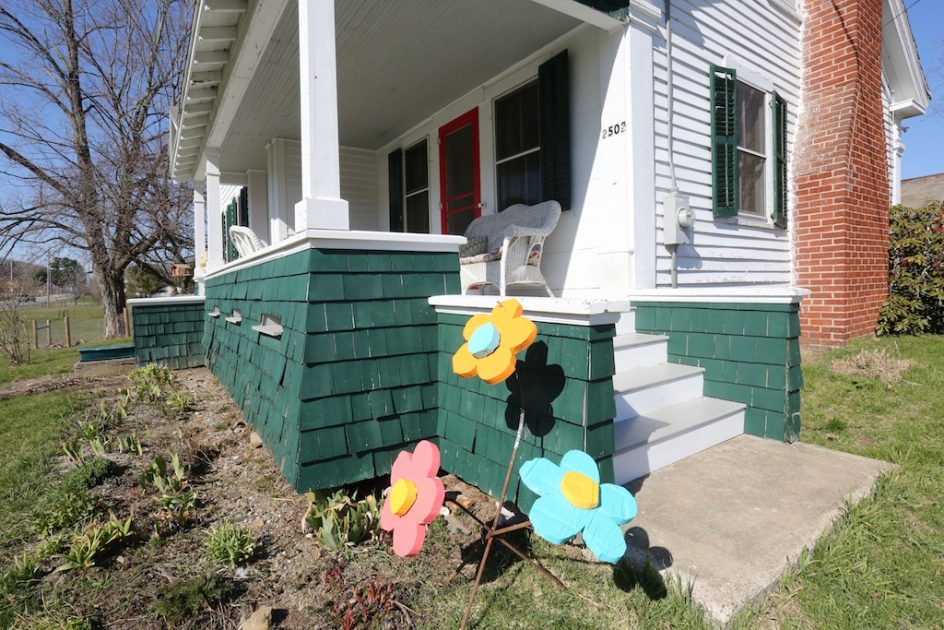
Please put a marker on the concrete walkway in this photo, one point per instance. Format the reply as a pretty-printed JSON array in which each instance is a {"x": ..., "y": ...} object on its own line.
[{"x": 729, "y": 519}]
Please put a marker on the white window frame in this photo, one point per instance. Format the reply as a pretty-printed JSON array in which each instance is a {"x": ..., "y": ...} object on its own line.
[
  {"x": 763, "y": 82},
  {"x": 496, "y": 162},
  {"x": 406, "y": 195}
]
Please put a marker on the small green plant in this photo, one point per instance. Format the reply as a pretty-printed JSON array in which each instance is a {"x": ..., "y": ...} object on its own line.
[
  {"x": 229, "y": 544},
  {"x": 129, "y": 444},
  {"x": 73, "y": 451},
  {"x": 177, "y": 499},
  {"x": 184, "y": 600},
  {"x": 69, "y": 504},
  {"x": 178, "y": 402},
  {"x": 85, "y": 548},
  {"x": 95, "y": 471},
  {"x": 148, "y": 383},
  {"x": 100, "y": 445},
  {"x": 339, "y": 520}
]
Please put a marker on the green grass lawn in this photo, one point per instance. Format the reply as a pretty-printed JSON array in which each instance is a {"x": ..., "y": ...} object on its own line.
[
  {"x": 86, "y": 321},
  {"x": 42, "y": 362},
  {"x": 30, "y": 432},
  {"x": 883, "y": 565}
]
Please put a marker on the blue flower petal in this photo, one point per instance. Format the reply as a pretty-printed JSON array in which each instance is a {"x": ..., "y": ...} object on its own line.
[
  {"x": 542, "y": 476},
  {"x": 555, "y": 520},
  {"x": 617, "y": 503},
  {"x": 579, "y": 461},
  {"x": 604, "y": 538}
]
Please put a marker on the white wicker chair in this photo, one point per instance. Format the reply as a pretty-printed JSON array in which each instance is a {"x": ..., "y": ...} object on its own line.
[
  {"x": 517, "y": 236},
  {"x": 245, "y": 240}
]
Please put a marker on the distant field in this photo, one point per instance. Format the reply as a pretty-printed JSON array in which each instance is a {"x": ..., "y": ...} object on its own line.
[{"x": 86, "y": 321}]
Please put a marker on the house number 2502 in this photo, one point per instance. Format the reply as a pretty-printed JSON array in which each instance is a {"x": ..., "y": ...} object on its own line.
[{"x": 613, "y": 130}]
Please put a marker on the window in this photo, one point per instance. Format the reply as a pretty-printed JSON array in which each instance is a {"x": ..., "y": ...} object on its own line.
[
  {"x": 416, "y": 188},
  {"x": 749, "y": 167},
  {"x": 518, "y": 147}
]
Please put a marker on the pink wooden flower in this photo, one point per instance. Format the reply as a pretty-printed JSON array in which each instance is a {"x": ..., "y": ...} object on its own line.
[{"x": 415, "y": 498}]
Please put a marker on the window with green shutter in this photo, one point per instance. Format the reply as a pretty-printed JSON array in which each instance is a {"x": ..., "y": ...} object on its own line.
[
  {"x": 554, "y": 105},
  {"x": 395, "y": 188},
  {"x": 748, "y": 149}
]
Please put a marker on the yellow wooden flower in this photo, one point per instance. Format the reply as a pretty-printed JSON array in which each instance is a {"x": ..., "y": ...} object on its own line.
[{"x": 492, "y": 341}]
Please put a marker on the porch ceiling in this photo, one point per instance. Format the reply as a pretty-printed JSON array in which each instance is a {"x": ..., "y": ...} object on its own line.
[{"x": 398, "y": 63}]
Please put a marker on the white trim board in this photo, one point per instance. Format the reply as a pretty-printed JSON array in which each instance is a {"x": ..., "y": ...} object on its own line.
[
  {"x": 709, "y": 295},
  {"x": 540, "y": 309},
  {"x": 167, "y": 301},
  {"x": 345, "y": 239}
]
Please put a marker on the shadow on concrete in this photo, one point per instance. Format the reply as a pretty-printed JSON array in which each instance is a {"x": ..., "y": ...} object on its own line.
[{"x": 641, "y": 565}]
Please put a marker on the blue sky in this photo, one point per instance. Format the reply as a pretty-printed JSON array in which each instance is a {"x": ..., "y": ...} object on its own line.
[{"x": 925, "y": 134}]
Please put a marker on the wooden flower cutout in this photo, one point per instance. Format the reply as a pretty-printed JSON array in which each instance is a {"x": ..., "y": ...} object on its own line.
[
  {"x": 415, "y": 498},
  {"x": 492, "y": 341}
]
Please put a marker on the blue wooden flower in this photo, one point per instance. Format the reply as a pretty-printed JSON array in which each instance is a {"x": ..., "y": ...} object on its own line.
[{"x": 572, "y": 500}]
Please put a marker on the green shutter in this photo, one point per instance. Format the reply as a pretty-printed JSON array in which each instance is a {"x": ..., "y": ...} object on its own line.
[
  {"x": 225, "y": 235},
  {"x": 724, "y": 162},
  {"x": 554, "y": 99},
  {"x": 395, "y": 184},
  {"x": 229, "y": 221},
  {"x": 780, "y": 160}
]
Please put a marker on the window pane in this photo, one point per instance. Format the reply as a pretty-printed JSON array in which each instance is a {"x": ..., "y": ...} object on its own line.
[
  {"x": 417, "y": 213},
  {"x": 751, "y": 128},
  {"x": 516, "y": 121},
  {"x": 460, "y": 171},
  {"x": 416, "y": 168},
  {"x": 519, "y": 181},
  {"x": 751, "y": 182},
  {"x": 457, "y": 223}
]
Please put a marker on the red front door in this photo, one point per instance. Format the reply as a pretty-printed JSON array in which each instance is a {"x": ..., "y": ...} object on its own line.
[{"x": 460, "y": 195}]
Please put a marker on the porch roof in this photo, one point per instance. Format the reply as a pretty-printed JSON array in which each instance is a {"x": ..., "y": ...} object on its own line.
[{"x": 397, "y": 64}]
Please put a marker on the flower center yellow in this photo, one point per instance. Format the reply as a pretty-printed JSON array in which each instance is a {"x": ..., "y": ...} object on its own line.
[
  {"x": 402, "y": 496},
  {"x": 580, "y": 490}
]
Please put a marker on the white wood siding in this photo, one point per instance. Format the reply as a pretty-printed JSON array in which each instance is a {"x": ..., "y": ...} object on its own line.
[
  {"x": 745, "y": 33},
  {"x": 359, "y": 187}
]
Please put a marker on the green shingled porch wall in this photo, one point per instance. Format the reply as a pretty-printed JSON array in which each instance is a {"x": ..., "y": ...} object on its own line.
[
  {"x": 353, "y": 378},
  {"x": 169, "y": 334},
  {"x": 750, "y": 353},
  {"x": 568, "y": 377}
]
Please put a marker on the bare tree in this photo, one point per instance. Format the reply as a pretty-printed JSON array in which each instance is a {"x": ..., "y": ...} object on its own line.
[{"x": 84, "y": 139}]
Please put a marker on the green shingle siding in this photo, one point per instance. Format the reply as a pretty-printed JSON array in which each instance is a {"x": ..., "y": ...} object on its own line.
[
  {"x": 750, "y": 353},
  {"x": 170, "y": 334}
]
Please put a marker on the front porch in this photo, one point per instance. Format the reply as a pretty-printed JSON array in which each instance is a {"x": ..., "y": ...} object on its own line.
[{"x": 356, "y": 142}]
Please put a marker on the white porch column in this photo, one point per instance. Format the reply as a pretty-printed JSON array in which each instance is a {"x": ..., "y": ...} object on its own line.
[
  {"x": 199, "y": 234},
  {"x": 214, "y": 211},
  {"x": 321, "y": 205}
]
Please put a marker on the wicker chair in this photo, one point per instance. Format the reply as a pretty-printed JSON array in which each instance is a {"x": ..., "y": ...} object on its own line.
[
  {"x": 515, "y": 245},
  {"x": 245, "y": 240}
]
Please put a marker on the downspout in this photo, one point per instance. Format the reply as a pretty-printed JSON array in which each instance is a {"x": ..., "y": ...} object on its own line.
[{"x": 670, "y": 107}]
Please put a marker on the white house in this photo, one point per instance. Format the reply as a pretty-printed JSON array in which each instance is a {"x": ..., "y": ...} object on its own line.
[{"x": 689, "y": 143}]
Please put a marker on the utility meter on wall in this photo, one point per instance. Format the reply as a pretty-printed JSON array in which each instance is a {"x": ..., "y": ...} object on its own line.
[{"x": 676, "y": 205}]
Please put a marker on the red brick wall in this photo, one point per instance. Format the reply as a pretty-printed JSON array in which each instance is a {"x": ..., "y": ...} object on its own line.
[{"x": 841, "y": 181}]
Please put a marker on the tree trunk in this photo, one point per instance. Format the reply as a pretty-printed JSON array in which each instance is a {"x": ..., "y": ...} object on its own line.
[{"x": 113, "y": 301}]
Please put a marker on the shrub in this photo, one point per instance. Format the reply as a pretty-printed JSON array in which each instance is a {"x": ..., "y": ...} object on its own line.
[
  {"x": 94, "y": 472},
  {"x": 230, "y": 544},
  {"x": 340, "y": 520},
  {"x": 915, "y": 301}
]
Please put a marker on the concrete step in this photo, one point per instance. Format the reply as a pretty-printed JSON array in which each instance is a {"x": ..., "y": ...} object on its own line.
[
  {"x": 636, "y": 350},
  {"x": 649, "y": 442},
  {"x": 626, "y": 324},
  {"x": 641, "y": 390}
]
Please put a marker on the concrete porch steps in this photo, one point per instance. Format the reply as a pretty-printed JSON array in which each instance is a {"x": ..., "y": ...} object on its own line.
[{"x": 661, "y": 414}]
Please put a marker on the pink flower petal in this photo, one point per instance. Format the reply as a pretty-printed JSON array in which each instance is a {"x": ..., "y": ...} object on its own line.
[
  {"x": 402, "y": 467},
  {"x": 425, "y": 460},
  {"x": 430, "y": 494},
  {"x": 408, "y": 539},
  {"x": 388, "y": 520}
]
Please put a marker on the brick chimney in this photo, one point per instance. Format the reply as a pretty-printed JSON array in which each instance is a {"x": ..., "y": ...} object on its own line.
[{"x": 842, "y": 194}]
